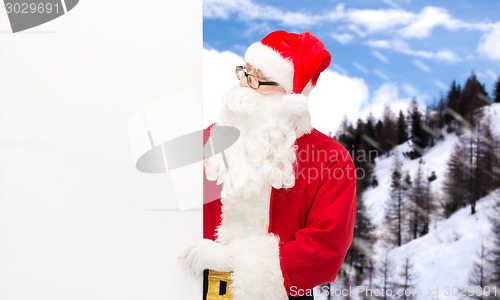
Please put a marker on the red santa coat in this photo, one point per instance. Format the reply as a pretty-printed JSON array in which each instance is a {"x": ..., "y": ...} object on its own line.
[{"x": 314, "y": 219}]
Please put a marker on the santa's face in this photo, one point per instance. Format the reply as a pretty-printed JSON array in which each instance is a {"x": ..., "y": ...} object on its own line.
[
  {"x": 264, "y": 155},
  {"x": 253, "y": 74}
]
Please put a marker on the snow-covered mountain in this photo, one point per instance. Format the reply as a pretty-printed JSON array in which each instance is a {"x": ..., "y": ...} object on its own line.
[{"x": 442, "y": 259}]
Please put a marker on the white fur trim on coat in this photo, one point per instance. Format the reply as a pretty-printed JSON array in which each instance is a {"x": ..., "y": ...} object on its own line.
[
  {"x": 272, "y": 64},
  {"x": 257, "y": 273}
]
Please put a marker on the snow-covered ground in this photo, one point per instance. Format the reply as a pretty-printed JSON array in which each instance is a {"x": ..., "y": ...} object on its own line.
[
  {"x": 435, "y": 159},
  {"x": 442, "y": 259}
]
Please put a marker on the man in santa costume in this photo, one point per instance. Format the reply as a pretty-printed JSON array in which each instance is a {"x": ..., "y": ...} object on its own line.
[{"x": 285, "y": 218}]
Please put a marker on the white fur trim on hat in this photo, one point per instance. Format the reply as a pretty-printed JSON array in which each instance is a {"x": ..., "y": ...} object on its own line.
[{"x": 272, "y": 64}]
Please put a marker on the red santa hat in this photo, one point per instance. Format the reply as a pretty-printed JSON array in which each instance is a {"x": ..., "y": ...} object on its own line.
[{"x": 290, "y": 59}]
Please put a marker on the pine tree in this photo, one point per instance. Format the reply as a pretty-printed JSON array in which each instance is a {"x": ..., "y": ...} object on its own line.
[
  {"x": 380, "y": 136},
  {"x": 435, "y": 121},
  {"x": 369, "y": 136},
  {"x": 402, "y": 128},
  {"x": 452, "y": 106},
  {"x": 343, "y": 134},
  {"x": 496, "y": 91},
  {"x": 407, "y": 185},
  {"x": 360, "y": 252},
  {"x": 419, "y": 137},
  {"x": 364, "y": 163},
  {"x": 483, "y": 94},
  {"x": 389, "y": 130},
  {"x": 439, "y": 110},
  {"x": 473, "y": 97},
  {"x": 429, "y": 204}
]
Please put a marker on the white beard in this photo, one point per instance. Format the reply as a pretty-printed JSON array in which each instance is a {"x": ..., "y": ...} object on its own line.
[{"x": 263, "y": 157}]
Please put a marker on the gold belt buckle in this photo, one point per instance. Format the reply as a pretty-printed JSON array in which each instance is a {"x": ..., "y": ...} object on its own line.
[{"x": 218, "y": 285}]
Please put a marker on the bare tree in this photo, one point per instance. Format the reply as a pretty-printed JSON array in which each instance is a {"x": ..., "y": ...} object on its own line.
[
  {"x": 481, "y": 274},
  {"x": 407, "y": 278},
  {"x": 417, "y": 196},
  {"x": 495, "y": 237},
  {"x": 455, "y": 184},
  {"x": 385, "y": 273},
  {"x": 395, "y": 207}
]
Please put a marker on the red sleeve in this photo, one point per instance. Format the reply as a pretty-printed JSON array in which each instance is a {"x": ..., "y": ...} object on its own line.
[{"x": 319, "y": 249}]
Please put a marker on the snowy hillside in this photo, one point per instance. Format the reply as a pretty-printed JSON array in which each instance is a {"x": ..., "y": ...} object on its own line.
[
  {"x": 435, "y": 159},
  {"x": 494, "y": 112},
  {"x": 442, "y": 259}
]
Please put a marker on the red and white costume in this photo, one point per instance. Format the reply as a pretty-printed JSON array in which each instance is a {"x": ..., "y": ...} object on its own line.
[
  {"x": 287, "y": 210},
  {"x": 314, "y": 219}
]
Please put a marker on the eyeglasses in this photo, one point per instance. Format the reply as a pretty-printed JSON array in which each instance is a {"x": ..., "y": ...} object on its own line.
[{"x": 252, "y": 81}]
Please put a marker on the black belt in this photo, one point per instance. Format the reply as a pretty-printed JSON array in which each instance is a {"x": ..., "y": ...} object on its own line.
[
  {"x": 301, "y": 298},
  {"x": 216, "y": 287}
]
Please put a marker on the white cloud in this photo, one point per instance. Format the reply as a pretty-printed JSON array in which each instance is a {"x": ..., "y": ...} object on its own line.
[
  {"x": 218, "y": 78},
  {"x": 427, "y": 20},
  {"x": 402, "y": 47},
  {"x": 443, "y": 55},
  {"x": 247, "y": 10},
  {"x": 492, "y": 75},
  {"x": 408, "y": 24},
  {"x": 490, "y": 44},
  {"x": 382, "y": 44},
  {"x": 441, "y": 85},
  {"x": 334, "y": 96},
  {"x": 379, "y": 20},
  {"x": 339, "y": 68},
  {"x": 337, "y": 14},
  {"x": 386, "y": 94},
  {"x": 381, "y": 74},
  {"x": 393, "y": 22},
  {"x": 259, "y": 28},
  {"x": 291, "y": 18},
  {"x": 422, "y": 66},
  {"x": 380, "y": 56},
  {"x": 410, "y": 90},
  {"x": 392, "y": 4},
  {"x": 219, "y": 8},
  {"x": 354, "y": 28},
  {"x": 361, "y": 68},
  {"x": 343, "y": 38}
]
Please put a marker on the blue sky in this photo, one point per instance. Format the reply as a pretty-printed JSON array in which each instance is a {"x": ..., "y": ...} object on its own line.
[{"x": 417, "y": 47}]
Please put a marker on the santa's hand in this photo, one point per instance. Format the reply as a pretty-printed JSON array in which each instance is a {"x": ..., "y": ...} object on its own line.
[{"x": 206, "y": 254}]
